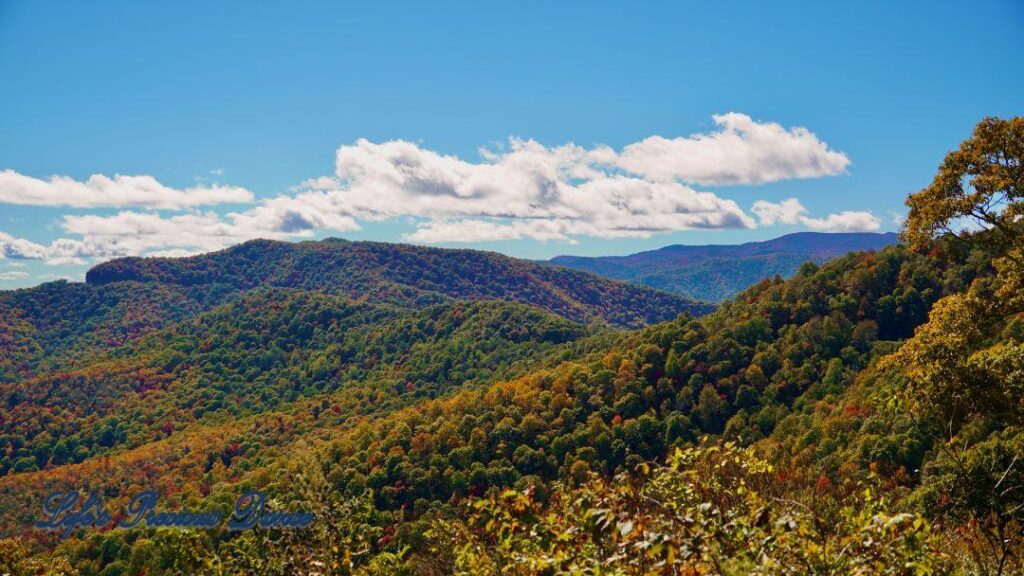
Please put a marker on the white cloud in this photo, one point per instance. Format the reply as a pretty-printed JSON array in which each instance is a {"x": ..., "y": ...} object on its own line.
[
  {"x": 547, "y": 193},
  {"x": 846, "y": 221},
  {"x": 18, "y": 248},
  {"x": 467, "y": 231},
  {"x": 118, "y": 191},
  {"x": 298, "y": 215},
  {"x": 523, "y": 191},
  {"x": 13, "y": 275},
  {"x": 743, "y": 151},
  {"x": 130, "y": 233},
  {"x": 786, "y": 212},
  {"x": 174, "y": 253},
  {"x": 134, "y": 233},
  {"x": 534, "y": 191},
  {"x": 60, "y": 251},
  {"x": 138, "y": 234},
  {"x": 791, "y": 211},
  {"x": 470, "y": 230}
]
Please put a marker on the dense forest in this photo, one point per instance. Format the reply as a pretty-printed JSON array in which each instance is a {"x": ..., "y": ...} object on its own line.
[{"x": 861, "y": 417}]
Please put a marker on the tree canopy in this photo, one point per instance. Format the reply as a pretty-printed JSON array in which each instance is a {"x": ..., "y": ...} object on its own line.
[{"x": 981, "y": 183}]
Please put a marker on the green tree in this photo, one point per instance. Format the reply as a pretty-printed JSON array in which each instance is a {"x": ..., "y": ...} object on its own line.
[{"x": 711, "y": 410}]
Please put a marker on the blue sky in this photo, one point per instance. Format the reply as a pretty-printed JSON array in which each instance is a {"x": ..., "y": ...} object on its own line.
[{"x": 248, "y": 103}]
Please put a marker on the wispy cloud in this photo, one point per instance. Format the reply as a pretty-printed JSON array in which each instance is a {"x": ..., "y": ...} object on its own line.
[
  {"x": 13, "y": 275},
  {"x": 100, "y": 191}
]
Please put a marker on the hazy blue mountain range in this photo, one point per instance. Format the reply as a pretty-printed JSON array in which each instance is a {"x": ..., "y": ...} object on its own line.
[{"x": 716, "y": 272}]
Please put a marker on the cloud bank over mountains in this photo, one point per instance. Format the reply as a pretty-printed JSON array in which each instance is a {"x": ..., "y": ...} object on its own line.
[{"x": 524, "y": 190}]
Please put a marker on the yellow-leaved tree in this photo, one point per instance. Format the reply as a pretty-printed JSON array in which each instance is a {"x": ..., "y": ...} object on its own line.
[
  {"x": 964, "y": 368},
  {"x": 979, "y": 185}
]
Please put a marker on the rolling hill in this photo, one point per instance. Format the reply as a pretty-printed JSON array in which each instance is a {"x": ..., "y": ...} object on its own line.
[
  {"x": 404, "y": 275},
  {"x": 391, "y": 417},
  {"x": 716, "y": 272},
  {"x": 53, "y": 324}
]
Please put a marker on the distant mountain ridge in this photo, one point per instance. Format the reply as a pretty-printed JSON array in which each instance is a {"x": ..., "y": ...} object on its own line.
[
  {"x": 715, "y": 272},
  {"x": 404, "y": 275}
]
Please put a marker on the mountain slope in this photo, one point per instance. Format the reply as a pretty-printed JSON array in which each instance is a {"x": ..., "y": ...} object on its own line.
[
  {"x": 716, "y": 272},
  {"x": 406, "y": 276},
  {"x": 787, "y": 367},
  {"x": 769, "y": 364},
  {"x": 263, "y": 352},
  {"x": 52, "y": 324}
]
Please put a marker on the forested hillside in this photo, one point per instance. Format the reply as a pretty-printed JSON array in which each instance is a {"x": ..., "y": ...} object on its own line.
[
  {"x": 777, "y": 363},
  {"x": 862, "y": 417},
  {"x": 55, "y": 323},
  {"x": 407, "y": 276},
  {"x": 263, "y": 351}
]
